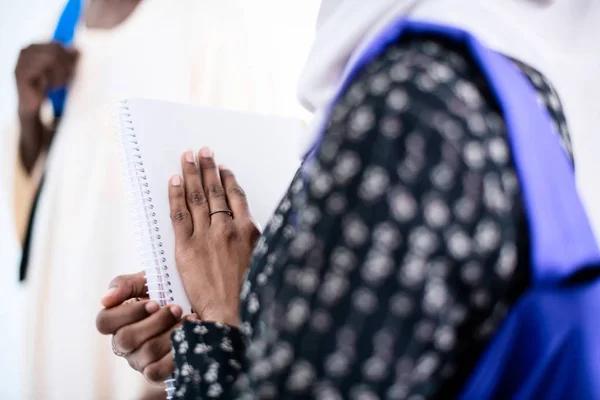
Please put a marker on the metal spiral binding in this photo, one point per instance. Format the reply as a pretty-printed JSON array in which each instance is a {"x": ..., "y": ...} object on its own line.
[{"x": 147, "y": 230}]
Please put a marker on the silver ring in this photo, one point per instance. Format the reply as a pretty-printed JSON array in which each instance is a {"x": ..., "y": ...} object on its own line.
[
  {"x": 228, "y": 212},
  {"x": 117, "y": 352}
]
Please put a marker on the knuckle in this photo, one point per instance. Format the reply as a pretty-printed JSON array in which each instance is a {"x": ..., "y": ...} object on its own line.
[
  {"x": 216, "y": 190},
  {"x": 250, "y": 229},
  {"x": 228, "y": 231},
  {"x": 55, "y": 47},
  {"x": 207, "y": 163},
  {"x": 125, "y": 340},
  {"x": 102, "y": 324},
  {"x": 226, "y": 174},
  {"x": 148, "y": 353},
  {"x": 167, "y": 319},
  {"x": 154, "y": 373},
  {"x": 237, "y": 190},
  {"x": 151, "y": 352},
  {"x": 180, "y": 216},
  {"x": 191, "y": 168},
  {"x": 176, "y": 194},
  {"x": 197, "y": 198},
  {"x": 133, "y": 363},
  {"x": 118, "y": 281}
]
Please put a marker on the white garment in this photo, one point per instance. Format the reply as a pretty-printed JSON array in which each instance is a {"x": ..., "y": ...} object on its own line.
[
  {"x": 558, "y": 37},
  {"x": 193, "y": 51}
]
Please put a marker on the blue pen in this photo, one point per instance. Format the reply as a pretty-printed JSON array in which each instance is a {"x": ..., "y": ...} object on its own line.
[{"x": 64, "y": 33}]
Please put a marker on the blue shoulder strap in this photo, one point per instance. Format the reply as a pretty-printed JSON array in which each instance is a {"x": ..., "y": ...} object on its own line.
[{"x": 64, "y": 33}]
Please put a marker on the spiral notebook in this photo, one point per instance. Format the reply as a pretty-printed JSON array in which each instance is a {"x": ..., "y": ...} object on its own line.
[{"x": 260, "y": 149}]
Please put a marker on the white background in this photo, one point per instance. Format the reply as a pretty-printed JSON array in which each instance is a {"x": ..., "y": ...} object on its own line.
[
  {"x": 21, "y": 23},
  {"x": 24, "y": 21}
]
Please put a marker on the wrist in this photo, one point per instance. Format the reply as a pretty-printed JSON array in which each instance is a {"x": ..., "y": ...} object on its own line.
[
  {"x": 28, "y": 115},
  {"x": 227, "y": 317}
]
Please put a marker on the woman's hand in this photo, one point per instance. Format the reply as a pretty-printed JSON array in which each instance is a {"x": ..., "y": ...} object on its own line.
[
  {"x": 214, "y": 235},
  {"x": 141, "y": 329}
]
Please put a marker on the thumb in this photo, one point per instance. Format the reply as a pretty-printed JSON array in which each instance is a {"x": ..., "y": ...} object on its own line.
[
  {"x": 72, "y": 56},
  {"x": 72, "y": 52},
  {"x": 123, "y": 288}
]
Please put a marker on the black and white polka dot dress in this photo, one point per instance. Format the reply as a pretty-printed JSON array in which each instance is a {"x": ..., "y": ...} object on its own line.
[{"x": 384, "y": 273}]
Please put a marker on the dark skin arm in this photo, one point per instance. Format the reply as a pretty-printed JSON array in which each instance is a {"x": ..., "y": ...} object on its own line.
[
  {"x": 40, "y": 68},
  {"x": 34, "y": 138}
]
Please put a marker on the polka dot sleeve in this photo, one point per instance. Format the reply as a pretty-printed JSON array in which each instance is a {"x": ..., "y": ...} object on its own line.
[{"x": 209, "y": 357}]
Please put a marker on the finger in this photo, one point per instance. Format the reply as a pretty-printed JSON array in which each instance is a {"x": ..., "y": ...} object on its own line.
[
  {"x": 132, "y": 336},
  {"x": 180, "y": 215},
  {"x": 72, "y": 53},
  {"x": 41, "y": 48},
  {"x": 39, "y": 83},
  {"x": 62, "y": 70},
  {"x": 51, "y": 50},
  {"x": 53, "y": 70},
  {"x": 62, "y": 66},
  {"x": 110, "y": 320},
  {"x": 57, "y": 75},
  {"x": 125, "y": 287},
  {"x": 35, "y": 64},
  {"x": 192, "y": 317},
  {"x": 195, "y": 196},
  {"x": 212, "y": 185},
  {"x": 236, "y": 197},
  {"x": 49, "y": 54},
  {"x": 38, "y": 76},
  {"x": 72, "y": 58},
  {"x": 56, "y": 49},
  {"x": 67, "y": 61},
  {"x": 161, "y": 370},
  {"x": 151, "y": 351},
  {"x": 59, "y": 60}
]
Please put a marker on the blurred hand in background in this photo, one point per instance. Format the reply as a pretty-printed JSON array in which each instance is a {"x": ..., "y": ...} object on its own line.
[{"x": 42, "y": 67}]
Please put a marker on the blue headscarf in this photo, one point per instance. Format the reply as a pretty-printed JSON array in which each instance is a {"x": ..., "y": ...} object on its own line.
[{"x": 64, "y": 33}]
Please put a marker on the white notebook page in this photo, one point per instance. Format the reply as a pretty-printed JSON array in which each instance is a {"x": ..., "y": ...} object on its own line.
[{"x": 261, "y": 150}]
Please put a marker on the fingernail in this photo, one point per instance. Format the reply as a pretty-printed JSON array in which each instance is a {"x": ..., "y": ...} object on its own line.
[
  {"x": 175, "y": 180},
  {"x": 193, "y": 317},
  {"x": 110, "y": 292},
  {"x": 152, "y": 307},
  {"x": 189, "y": 157},
  {"x": 206, "y": 152},
  {"x": 223, "y": 167},
  {"x": 176, "y": 311}
]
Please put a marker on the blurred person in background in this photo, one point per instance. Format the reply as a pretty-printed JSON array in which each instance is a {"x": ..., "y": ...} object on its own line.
[
  {"x": 433, "y": 245},
  {"x": 192, "y": 51}
]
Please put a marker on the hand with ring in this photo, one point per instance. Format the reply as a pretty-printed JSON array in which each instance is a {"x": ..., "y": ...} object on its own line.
[
  {"x": 215, "y": 236},
  {"x": 141, "y": 329}
]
